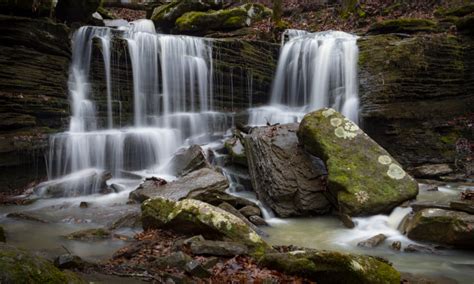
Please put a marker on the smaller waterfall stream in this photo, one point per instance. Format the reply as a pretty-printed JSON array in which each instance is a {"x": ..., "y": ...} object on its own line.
[{"x": 315, "y": 70}]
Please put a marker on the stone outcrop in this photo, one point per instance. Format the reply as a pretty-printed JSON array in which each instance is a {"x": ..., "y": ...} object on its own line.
[
  {"x": 34, "y": 62},
  {"x": 442, "y": 226},
  {"x": 284, "y": 176},
  {"x": 416, "y": 95},
  {"x": 72, "y": 11},
  {"x": 332, "y": 267},
  {"x": 202, "y": 180},
  {"x": 188, "y": 160},
  {"x": 363, "y": 178},
  {"x": 191, "y": 216}
]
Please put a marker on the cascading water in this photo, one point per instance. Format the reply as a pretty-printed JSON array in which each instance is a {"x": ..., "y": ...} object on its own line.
[
  {"x": 172, "y": 104},
  {"x": 315, "y": 70}
]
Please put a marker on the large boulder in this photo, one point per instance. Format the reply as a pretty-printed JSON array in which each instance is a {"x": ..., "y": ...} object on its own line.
[
  {"x": 188, "y": 160},
  {"x": 363, "y": 178},
  {"x": 27, "y": 8},
  {"x": 442, "y": 226},
  {"x": 18, "y": 266},
  {"x": 332, "y": 267},
  {"x": 194, "y": 217},
  {"x": 76, "y": 10},
  {"x": 284, "y": 176},
  {"x": 227, "y": 19},
  {"x": 166, "y": 15},
  {"x": 194, "y": 183}
]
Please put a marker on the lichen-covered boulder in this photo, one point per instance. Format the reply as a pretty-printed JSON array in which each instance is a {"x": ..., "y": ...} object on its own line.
[
  {"x": 18, "y": 266},
  {"x": 332, "y": 267},
  {"x": 76, "y": 10},
  {"x": 442, "y": 226},
  {"x": 227, "y": 19},
  {"x": 194, "y": 217},
  {"x": 284, "y": 176},
  {"x": 192, "y": 184},
  {"x": 363, "y": 178}
]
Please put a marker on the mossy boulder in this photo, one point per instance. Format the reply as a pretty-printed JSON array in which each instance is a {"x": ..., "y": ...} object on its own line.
[
  {"x": 19, "y": 266},
  {"x": 72, "y": 11},
  {"x": 363, "y": 178},
  {"x": 227, "y": 19},
  {"x": 89, "y": 235},
  {"x": 404, "y": 25},
  {"x": 236, "y": 150},
  {"x": 442, "y": 226},
  {"x": 166, "y": 15},
  {"x": 332, "y": 267},
  {"x": 194, "y": 217}
]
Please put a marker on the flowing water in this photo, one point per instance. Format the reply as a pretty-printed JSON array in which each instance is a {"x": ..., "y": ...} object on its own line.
[
  {"x": 315, "y": 70},
  {"x": 173, "y": 108}
]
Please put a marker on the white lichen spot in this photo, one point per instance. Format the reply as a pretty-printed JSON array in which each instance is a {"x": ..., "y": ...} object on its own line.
[
  {"x": 385, "y": 160},
  {"x": 336, "y": 121},
  {"x": 295, "y": 252},
  {"x": 395, "y": 172},
  {"x": 362, "y": 196},
  {"x": 356, "y": 266},
  {"x": 342, "y": 133},
  {"x": 328, "y": 112},
  {"x": 254, "y": 237}
]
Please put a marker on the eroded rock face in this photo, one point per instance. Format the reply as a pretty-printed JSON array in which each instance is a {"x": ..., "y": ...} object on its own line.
[
  {"x": 18, "y": 266},
  {"x": 192, "y": 184},
  {"x": 442, "y": 226},
  {"x": 188, "y": 160},
  {"x": 363, "y": 178},
  {"x": 332, "y": 267},
  {"x": 195, "y": 217},
  {"x": 285, "y": 177},
  {"x": 416, "y": 94}
]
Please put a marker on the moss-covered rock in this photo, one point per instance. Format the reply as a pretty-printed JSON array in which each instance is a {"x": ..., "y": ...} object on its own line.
[
  {"x": 194, "y": 217},
  {"x": 166, "y": 15},
  {"x": 405, "y": 25},
  {"x": 236, "y": 151},
  {"x": 458, "y": 11},
  {"x": 18, "y": 266},
  {"x": 363, "y": 178},
  {"x": 442, "y": 226},
  {"x": 332, "y": 267},
  {"x": 234, "y": 18}
]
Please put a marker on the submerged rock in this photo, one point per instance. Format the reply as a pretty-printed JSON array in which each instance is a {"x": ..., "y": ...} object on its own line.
[
  {"x": 26, "y": 216},
  {"x": 363, "y": 178},
  {"x": 284, "y": 176},
  {"x": 332, "y": 267},
  {"x": 373, "y": 241},
  {"x": 188, "y": 160},
  {"x": 397, "y": 245},
  {"x": 195, "y": 217},
  {"x": 18, "y": 266},
  {"x": 442, "y": 226},
  {"x": 69, "y": 261},
  {"x": 194, "y": 183},
  {"x": 89, "y": 235}
]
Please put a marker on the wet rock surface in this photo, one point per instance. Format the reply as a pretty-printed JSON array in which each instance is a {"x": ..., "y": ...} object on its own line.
[
  {"x": 442, "y": 226},
  {"x": 189, "y": 185},
  {"x": 283, "y": 175},
  {"x": 373, "y": 241},
  {"x": 363, "y": 178},
  {"x": 188, "y": 160}
]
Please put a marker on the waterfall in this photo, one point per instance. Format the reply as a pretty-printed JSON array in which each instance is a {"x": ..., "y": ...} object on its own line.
[
  {"x": 172, "y": 103},
  {"x": 315, "y": 70}
]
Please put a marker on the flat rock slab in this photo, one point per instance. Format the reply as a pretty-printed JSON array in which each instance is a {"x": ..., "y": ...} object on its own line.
[
  {"x": 202, "y": 180},
  {"x": 218, "y": 248},
  {"x": 284, "y": 176}
]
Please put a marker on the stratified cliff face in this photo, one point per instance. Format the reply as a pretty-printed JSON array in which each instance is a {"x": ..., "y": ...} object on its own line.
[
  {"x": 417, "y": 94},
  {"x": 34, "y": 62}
]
